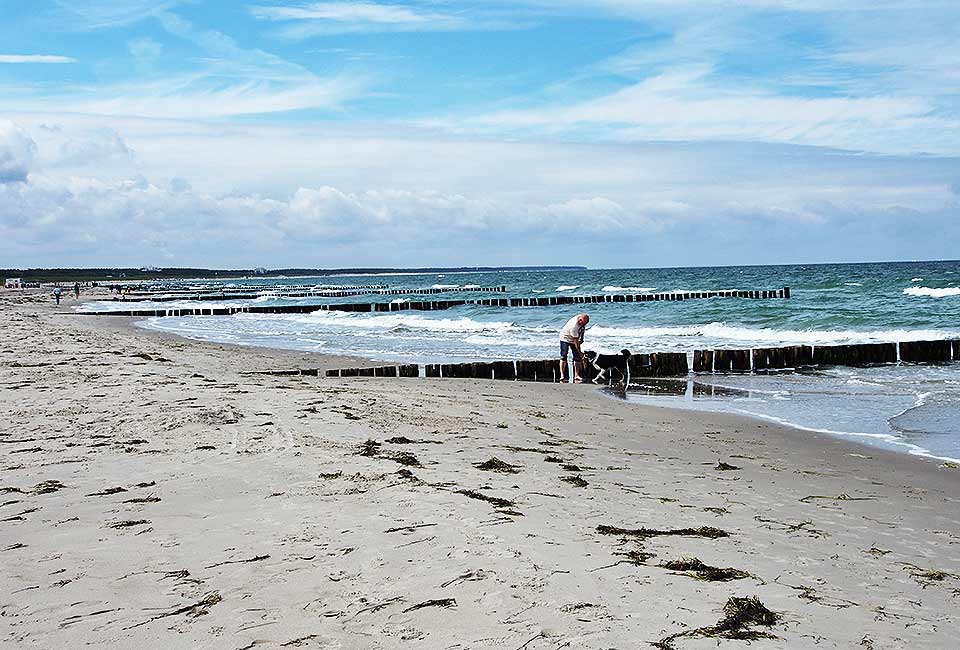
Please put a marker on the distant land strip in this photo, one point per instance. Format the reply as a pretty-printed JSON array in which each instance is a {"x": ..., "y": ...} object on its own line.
[{"x": 115, "y": 275}]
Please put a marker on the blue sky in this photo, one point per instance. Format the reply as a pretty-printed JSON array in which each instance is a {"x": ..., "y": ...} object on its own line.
[{"x": 601, "y": 132}]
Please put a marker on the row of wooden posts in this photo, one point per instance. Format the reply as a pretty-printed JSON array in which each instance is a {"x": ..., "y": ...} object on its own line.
[
  {"x": 249, "y": 288},
  {"x": 316, "y": 293},
  {"x": 657, "y": 364},
  {"x": 434, "y": 305},
  {"x": 799, "y": 356},
  {"x": 674, "y": 364}
]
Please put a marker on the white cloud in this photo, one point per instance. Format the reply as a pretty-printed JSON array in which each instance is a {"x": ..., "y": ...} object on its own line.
[
  {"x": 323, "y": 18},
  {"x": 230, "y": 81},
  {"x": 106, "y": 14},
  {"x": 145, "y": 48},
  {"x": 17, "y": 150},
  {"x": 316, "y": 199},
  {"x": 35, "y": 58},
  {"x": 349, "y": 12},
  {"x": 685, "y": 104}
]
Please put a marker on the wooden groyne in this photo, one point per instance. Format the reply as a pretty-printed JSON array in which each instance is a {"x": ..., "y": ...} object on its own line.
[
  {"x": 675, "y": 364},
  {"x": 657, "y": 364},
  {"x": 180, "y": 290},
  {"x": 320, "y": 293},
  {"x": 805, "y": 356},
  {"x": 435, "y": 305}
]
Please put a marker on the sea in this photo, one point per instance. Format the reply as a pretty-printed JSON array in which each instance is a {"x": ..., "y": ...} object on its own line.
[{"x": 909, "y": 408}]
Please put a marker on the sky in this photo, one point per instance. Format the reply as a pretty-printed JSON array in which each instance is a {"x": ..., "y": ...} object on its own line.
[{"x": 603, "y": 133}]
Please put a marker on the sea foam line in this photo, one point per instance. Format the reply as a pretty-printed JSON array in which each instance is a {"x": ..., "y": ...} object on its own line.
[{"x": 931, "y": 292}]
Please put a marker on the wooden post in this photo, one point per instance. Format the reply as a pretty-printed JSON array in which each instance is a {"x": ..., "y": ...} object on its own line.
[
  {"x": 926, "y": 351},
  {"x": 504, "y": 370}
]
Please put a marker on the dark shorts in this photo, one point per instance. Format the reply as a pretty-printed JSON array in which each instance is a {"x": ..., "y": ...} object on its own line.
[{"x": 565, "y": 347}]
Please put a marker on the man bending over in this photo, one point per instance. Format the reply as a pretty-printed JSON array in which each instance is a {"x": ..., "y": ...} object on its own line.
[{"x": 571, "y": 337}]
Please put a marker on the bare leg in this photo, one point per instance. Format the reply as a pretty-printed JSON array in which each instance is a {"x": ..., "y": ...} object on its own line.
[
  {"x": 577, "y": 379},
  {"x": 563, "y": 371}
]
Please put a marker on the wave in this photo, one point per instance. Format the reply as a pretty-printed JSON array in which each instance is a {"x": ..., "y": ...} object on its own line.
[
  {"x": 768, "y": 335},
  {"x": 445, "y": 286},
  {"x": 853, "y": 284},
  {"x": 609, "y": 288},
  {"x": 568, "y": 287},
  {"x": 413, "y": 322},
  {"x": 917, "y": 280},
  {"x": 929, "y": 292}
]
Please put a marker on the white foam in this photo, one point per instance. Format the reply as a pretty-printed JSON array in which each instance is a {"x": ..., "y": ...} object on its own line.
[
  {"x": 610, "y": 288},
  {"x": 853, "y": 284},
  {"x": 392, "y": 321},
  {"x": 917, "y": 280},
  {"x": 567, "y": 287},
  {"x": 767, "y": 335},
  {"x": 446, "y": 286},
  {"x": 930, "y": 292}
]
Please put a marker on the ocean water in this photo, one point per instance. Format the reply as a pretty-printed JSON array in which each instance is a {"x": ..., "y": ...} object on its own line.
[{"x": 915, "y": 409}]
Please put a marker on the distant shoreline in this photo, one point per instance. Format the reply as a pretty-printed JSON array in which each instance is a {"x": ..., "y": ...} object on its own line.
[{"x": 107, "y": 275}]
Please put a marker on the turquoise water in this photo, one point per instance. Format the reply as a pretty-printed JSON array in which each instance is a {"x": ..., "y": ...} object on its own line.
[{"x": 910, "y": 408}]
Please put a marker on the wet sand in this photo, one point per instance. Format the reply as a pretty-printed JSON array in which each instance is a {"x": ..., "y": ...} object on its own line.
[{"x": 159, "y": 493}]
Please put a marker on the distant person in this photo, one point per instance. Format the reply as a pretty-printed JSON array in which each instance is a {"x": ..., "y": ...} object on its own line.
[
  {"x": 56, "y": 294},
  {"x": 571, "y": 338},
  {"x": 76, "y": 290}
]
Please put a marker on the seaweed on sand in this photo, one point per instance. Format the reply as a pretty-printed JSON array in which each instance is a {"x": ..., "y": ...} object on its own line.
[
  {"x": 128, "y": 523},
  {"x": 726, "y": 467},
  {"x": 193, "y": 610},
  {"x": 576, "y": 481},
  {"x": 495, "y": 501},
  {"x": 927, "y": 577},
  {"x": 843, "y": 496},
  {"x": 701, "y": 571},
  {"x": 372, "y": 449},
  {"x": 740, "y": 615},
  {"x": 497, "y": 465},
  {"x": 643, "y": 533},
  {"x": 404, "y": 458},
  {"x": 48, "y": 487},
  {"x": 635, "y": 557},
  {"x": 369, "y": 448},
  {"x": 440, "y": 602}
]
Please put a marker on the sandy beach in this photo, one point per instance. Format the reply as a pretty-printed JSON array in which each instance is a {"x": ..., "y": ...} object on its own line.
[{"x": 160, "y": 493}]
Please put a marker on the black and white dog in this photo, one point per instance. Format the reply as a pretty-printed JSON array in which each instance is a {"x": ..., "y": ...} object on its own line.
[{"x": 607, "y": 364}]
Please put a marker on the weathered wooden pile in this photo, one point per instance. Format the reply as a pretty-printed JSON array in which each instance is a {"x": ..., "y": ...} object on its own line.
[
  {"x": 405, "y": 370},
  {"x": 657, "y": 364},
  {"x": 434, "y": 305},
  {"x": 800, "y": 356},
  {"x": 184, "y": 292},
  {"x": 674, "y": 364},
  {"x": 278, "y": 292}
]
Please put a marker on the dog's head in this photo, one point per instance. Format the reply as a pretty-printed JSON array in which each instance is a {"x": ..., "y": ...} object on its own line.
[
  {"x": 590, "y": 355},
  {"x": 626, "y": 353}
]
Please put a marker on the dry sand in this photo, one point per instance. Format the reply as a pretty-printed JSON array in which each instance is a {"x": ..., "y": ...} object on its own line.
[{"x": 156, "y": 493}]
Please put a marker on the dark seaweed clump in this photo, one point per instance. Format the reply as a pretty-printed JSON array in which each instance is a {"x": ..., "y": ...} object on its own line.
[
  {"x": 497, "y": 465},
  {"x": 703, "y": 571}
]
